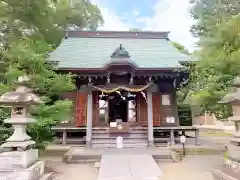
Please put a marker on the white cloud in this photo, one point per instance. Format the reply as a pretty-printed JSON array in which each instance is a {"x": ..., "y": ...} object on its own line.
[
  {"x": 112, "y": 22},
  {"x": 143, "y": 19},
  {"x": 136, "y": 12},
  {"x": 173, "y": 16},
  {"x": 169, "y": 15},
  {"x": 126, "y": 14}
]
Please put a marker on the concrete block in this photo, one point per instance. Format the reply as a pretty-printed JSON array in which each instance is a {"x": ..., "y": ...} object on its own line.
[
  {"x": 34, "y": 172},
  {"x": 17, "y": 159}
]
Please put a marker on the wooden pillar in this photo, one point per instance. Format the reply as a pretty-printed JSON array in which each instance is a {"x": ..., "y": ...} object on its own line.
[
  {"x": 89, "y": 120},
  {"x": 150, "y": 118}
]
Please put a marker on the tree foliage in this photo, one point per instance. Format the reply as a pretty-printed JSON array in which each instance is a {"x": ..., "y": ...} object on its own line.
[
  {"x": 217, "y": 59},
  {"x": 180, "y": 48},
  {"x": 46, "y": 19},
  {"x": 209, "y": 14},
  {"x": 218, "y": 63},
  {"x": 30, "y": 30}
]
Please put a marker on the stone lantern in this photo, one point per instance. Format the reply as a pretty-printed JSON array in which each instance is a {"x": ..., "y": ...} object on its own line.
[
  {"x": 234, "y": 100},
  {"x": 231, "y": 166},
  {"x": 18, "y": 158}
]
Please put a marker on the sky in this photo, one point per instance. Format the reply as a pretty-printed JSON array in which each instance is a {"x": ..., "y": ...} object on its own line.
[{"x": 149, "y": 15}]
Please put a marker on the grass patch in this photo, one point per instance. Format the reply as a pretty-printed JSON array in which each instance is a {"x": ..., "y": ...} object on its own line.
[
  {"x": 213, "y": 133},
  {"x": 199, "y": 151}
]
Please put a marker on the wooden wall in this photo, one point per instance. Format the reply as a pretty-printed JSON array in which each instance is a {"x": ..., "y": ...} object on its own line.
[
  {"x": 79, "y": 107},
  {"x": 170, "y": 110},
  {"x": 160, "y": 112},
  {"x": 157, "y": 100}
]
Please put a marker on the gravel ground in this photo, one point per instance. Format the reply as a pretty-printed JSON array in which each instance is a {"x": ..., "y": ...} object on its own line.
[
  {"x": 192, "y": 167},
  {"x": 72, "y": 171}
]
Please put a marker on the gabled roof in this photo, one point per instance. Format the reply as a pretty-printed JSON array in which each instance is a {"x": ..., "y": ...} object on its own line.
[{"x": 91, "y": 50}]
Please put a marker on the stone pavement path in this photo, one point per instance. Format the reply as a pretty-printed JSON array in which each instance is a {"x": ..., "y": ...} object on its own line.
[{"x": 128, "y": 167}]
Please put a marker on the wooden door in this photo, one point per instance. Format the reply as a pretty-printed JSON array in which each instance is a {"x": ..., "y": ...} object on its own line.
[
  {"x": 141, "y": 110},
  {"x": 81, "y": 109}
]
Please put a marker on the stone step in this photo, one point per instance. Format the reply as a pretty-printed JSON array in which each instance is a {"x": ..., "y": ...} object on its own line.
[
  {"x": 235, "y": 141},
  {"x": 131, "y": 132},
  {"x": 133, "y": 128},
  {"x": 226, "y": 174},
  {"x": 114, "y": 141},
  {"x": 90, "y": 155},
  {"x": 110, "y": 145},
  {"x": 131, "y": 136},
  {"x": 81, "y": 158}
]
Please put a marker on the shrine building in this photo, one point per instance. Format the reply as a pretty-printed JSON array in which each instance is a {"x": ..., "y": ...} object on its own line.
[{"x": 125, "y": 81}]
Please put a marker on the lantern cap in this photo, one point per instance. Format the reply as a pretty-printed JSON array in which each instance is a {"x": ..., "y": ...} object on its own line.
[{"x": 19, "y": 98}]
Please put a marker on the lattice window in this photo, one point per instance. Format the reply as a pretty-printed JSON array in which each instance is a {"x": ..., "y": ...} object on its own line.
[
  {"x": 103, "y": 110},
  {"x": 166, "y": 100},
  {"x": 132, "y": 111}
]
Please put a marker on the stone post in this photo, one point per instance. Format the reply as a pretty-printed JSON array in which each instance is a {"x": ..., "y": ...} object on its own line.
[
  {"x": 89, "y": 120},
  {"x": 234, "y": 100},
  {"x": 150, "y": 119},
  {"x": 172, "y": 137},
  {"x": 18, "y": 158},
  {"x": 197, "y": 137},
  {"x": 64, "y": 137}
]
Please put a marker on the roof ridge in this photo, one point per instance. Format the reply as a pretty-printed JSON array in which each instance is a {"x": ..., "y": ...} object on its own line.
[{"x": 118, "y": 34}]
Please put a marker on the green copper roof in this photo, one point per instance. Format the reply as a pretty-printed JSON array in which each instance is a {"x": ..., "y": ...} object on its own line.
[{"x": 94, "y": 52}]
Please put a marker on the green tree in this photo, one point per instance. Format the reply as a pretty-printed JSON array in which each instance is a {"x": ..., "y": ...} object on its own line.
[
  {"x": 30, "y": 30},
  {"x": 209, "y": 14},
  {"x": 46, "y": 19},
  {"x": 28, "y": 57},
  {"x": 216, "y": 60},
  {"x": 218, "y": 63},
  {"x": 181, "y": 48}
]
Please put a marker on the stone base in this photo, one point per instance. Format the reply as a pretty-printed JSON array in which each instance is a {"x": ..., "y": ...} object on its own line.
[
  {"x": 20, "y": 146},
  {"x": 150, "y": 144},
  {"x": 16, "y": 160},
  {"x": 237, "y": 135},
  {"x": 234, "y": 158},
  {"x": 225, "y": 174},
  {"x": 235, "y": 141},
  {"x": 88, "y": 144},
  {"x": 34, "y": 172},
  {"x": 230, "y": 169}
]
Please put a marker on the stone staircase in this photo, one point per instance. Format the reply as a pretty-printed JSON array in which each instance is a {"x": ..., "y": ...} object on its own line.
[
  {"x": 137, "y": 137},
  {"x": 79, "y": 155}
]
